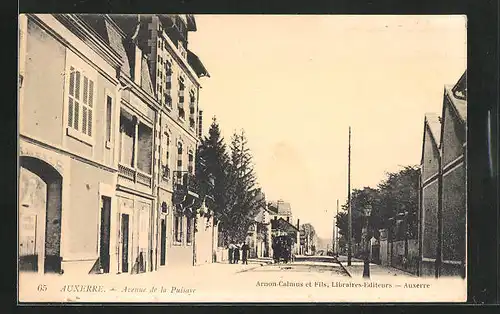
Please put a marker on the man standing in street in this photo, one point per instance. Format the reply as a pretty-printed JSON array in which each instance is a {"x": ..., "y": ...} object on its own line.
[
  {"x": 236, "y": 254},
  {"x": 231, "y": 253},
  {"x": 244, "y": 253}
]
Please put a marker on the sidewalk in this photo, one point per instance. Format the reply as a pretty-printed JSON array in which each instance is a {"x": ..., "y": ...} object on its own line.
[
  {"x": 219, "y": 268},
  {"x": 376, "y": 271}
]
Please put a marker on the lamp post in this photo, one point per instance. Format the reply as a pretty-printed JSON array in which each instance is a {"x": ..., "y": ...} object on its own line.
[{"x": 366, "y": 268}]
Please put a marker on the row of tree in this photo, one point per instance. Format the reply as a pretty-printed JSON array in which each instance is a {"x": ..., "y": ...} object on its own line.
[
  {"x": 227, "y": 182},
  {"x": 394, "y": 206}
]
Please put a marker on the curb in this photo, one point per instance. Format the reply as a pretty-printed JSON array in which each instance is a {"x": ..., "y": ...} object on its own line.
[
  {"x": 345, "y": 269},
  {"x": 248, "y": 269}
]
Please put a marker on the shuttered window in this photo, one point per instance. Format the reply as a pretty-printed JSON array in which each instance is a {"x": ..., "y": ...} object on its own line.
[
  {"x": 81, "y": 99},
  {"x": 109, "y": 118}
]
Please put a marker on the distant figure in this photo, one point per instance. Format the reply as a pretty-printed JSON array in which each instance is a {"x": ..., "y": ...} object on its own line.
[
  {"x": 244, "y": 253},
  {"x": 231, "y": 253},
  {"x": 236, "y": 254}
]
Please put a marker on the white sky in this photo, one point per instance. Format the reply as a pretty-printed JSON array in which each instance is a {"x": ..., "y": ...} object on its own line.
[{"x": 296, "y": 83}]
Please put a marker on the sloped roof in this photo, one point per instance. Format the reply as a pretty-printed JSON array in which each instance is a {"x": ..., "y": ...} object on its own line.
[
  {"x": 281, "y": 208},
  {"x": 434, "y": 122},
  {"x": 459, "y": 105},
  {"x": 146, "y": 83},
  {"x": 116, "y": 42},
  {"x": 110, "y": 33},
  {"x": 282, "y": 224},
  {"x": 198, "y": 66},
  {"x": 191, "y": 23}
]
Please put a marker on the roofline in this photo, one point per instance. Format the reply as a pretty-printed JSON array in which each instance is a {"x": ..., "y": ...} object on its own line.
[
  {"x": 281, "y": 218},
  {"x": 109, "y": 18},
  {"x": 449, "y": 93},
  {"x": 455, "y": 111},
  {"x": 436, "y": 144}
]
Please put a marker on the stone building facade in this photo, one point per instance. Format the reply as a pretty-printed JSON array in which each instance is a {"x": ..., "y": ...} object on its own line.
[{"x": 103, "y": 148}]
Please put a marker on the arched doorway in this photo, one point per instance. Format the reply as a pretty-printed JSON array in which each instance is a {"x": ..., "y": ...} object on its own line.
[{"x": 40, "y": 204}]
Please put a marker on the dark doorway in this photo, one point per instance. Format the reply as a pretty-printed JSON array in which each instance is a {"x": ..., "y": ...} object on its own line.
[
  {"x": 124, "y": 233},
  {"x": 46, "y": 232},
  {"x": 105, "y": 233},
  {"x": 163, "y": 241}
]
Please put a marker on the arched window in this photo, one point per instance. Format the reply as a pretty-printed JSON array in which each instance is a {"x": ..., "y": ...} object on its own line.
[{"x": 166, "y": 149}]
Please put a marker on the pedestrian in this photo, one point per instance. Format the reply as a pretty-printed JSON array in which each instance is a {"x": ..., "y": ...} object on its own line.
[
  {"x": 244, "y": 253},
  {"x": 231, "y": 253},
  {"x": 274, "y": 246},
  {"x": 236, "y": 254}
]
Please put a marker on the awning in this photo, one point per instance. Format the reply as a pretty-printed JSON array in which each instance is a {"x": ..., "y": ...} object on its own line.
[{"x": 197, "y": 65}]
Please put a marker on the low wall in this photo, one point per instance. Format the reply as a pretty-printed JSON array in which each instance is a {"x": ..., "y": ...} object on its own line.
[{"x": 407, "y": 262}]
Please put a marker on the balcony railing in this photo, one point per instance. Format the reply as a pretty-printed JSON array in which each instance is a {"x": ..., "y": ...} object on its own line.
[
  {"x": 185, "y": 182},
  {"x": 134, "y": 175},
  {"x": 143, "y": 178}
]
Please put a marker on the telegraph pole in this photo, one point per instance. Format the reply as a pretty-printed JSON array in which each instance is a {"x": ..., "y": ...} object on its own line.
[
  {"x": 334, "y": 238},
  {"x": 337, "y": 242},
  {"x": 349, "y": 214}
]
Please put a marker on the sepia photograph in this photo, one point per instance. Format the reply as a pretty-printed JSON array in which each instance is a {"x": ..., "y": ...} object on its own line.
[{"x": 180, "y": 158}]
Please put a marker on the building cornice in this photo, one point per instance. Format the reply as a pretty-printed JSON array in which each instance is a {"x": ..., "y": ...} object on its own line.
[
  {"x": 86, "y": 33},
  {"x": 135, "y": 192},
  {"x": 66, "y": 152},
  {"x": 139, "y": 92}
]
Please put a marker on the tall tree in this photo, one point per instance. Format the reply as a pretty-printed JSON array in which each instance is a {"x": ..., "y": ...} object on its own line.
[
  {"x": 212, "y": 162},
  {"x": 399, "y": 197},
  {"x": 242, "y": 193}
]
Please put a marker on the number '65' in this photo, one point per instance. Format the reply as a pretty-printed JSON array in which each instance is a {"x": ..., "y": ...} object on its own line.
[{"x": 42, "y": 288}]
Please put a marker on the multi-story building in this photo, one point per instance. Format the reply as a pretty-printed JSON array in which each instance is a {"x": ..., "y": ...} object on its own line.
[
  {"x": 99, "y": 191},
  {"x": 443, "y": 187},
  {"x": 175, "y": 74},
  {"x": 68, "y": 104}
]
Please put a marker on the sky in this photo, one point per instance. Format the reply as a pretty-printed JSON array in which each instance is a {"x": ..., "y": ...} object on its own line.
[{"x": 295, "y": 83}]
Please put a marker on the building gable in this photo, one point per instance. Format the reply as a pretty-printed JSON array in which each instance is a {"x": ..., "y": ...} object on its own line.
[
  {"x": 430, "y": 155},
  {"x": 452, "y": 134}
]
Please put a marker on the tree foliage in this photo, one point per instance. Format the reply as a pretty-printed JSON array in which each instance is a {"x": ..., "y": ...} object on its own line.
[
  {"x": 395, "y": 197},
  {"x": 230, "y": 181},
  {"x": 211, "y": 167},
  {"x": 242, "y": 192}
]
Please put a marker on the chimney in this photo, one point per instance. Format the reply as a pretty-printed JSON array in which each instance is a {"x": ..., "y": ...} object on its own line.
[
  {"x": 137, "y": 64},
  {"x": 298, "y": 223}
]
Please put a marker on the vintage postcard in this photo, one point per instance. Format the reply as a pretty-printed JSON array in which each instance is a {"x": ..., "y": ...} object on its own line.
[{"x": 242, "y": 158}]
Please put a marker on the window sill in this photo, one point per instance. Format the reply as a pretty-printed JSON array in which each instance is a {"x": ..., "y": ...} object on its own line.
[
  {"x": 79, "y": 136},
  {"x": 177, "y": 243}
]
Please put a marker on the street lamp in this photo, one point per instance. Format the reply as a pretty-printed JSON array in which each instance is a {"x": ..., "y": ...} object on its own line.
[{"x": 366, "y": 268}]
